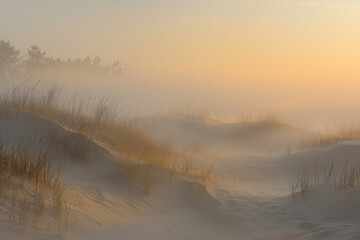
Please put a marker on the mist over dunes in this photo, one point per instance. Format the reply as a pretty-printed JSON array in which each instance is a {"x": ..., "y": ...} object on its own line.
[{"x": 184, "y": 119}]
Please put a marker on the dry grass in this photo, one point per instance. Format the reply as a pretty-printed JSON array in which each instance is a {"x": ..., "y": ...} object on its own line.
[
  {"x": 124, "y": 135},
  {"x": 28, "y": 186},
  {"x": 345, "y": 133},
  {"x": 302, "y": 182},
  {"x": 270, "y": 118},
  {"x": 148, "y": 181},
  {"x": 341, "y": 174},
  {"x": 195, "y": 112}
]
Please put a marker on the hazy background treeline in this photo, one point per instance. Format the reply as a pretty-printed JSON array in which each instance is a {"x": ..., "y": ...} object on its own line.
[
  {"x": 320, "y": 105},
  {"x": 35, "y": 62}
]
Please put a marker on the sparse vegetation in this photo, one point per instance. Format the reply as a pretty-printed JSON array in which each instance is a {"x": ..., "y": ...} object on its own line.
[
  {"x": 270, "y": 118},
  {"x": 28, "y": 186},
  {"x": 341, "y": 174},
  {"x": 345, "y": 133},
  {"x": 197, "y": 112},
  {"x": 302, "y": 182}
]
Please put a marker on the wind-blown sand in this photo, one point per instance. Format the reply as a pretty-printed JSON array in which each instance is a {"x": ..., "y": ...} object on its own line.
[{"x": 249, "y": 197}]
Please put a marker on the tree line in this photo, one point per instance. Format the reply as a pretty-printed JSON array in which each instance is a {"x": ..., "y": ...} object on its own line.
[{"x": 13, "y": 62}]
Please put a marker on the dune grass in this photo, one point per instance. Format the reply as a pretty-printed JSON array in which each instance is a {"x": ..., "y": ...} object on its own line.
[
  {"x": 195, "y": 112},
  {"x": 29, "y": 188},
  {"x": 139, "y": 152},
  {"x": 345, "y": 133},
  {"x": 341, "y": 174}
]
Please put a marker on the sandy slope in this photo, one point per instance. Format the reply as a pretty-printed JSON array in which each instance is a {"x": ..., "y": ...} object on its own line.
[{"x": 250, "y": 198}]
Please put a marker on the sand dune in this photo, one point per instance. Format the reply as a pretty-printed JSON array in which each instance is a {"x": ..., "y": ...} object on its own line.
[{"x": 249, "y": 198}]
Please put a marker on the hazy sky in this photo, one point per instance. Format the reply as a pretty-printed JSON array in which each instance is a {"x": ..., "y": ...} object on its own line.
[{"x": 284, "y": 54}]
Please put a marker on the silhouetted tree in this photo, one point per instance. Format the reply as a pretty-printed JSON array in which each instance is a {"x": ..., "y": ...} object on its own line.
[
  {"x": 9, "y": 58},
  {"x": 36, "y": 56},
  {"x": 96, "y": 62},
  {"x": 116, "y": 67}
]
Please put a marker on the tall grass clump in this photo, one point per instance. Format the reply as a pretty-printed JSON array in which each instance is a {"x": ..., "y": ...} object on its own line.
[
  {"x": 29, "y": 188},
  {"x": 341, "y": 174}
]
